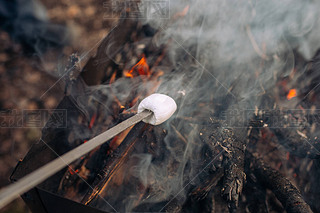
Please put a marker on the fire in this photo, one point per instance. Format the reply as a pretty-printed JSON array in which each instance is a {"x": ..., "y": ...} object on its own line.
[
  {"x": 142, "y": 67},
  {"x": 93, "y": 119},
  {"x": 292, "y": 93},
  {"x": 113, "y": 77},
  {"x": 182, "y": 13},
  {"x": 73, "y": 172}
]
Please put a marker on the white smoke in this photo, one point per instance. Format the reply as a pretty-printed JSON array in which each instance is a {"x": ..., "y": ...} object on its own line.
[{"x": 216, "y": 49}]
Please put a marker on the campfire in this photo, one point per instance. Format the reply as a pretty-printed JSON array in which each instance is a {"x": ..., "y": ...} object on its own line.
[{"x": 244, "y": 137}]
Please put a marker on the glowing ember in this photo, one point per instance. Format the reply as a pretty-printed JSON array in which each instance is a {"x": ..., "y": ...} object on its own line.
[
  {"x": 73, "y": 172},
  {"x": 113, "y": 77},
  {"x": 93, "y": 119},
  {"x": 141, "y": 67},
  {"x": 182, "y": 13},
  {"x": 292, "y": 93}
]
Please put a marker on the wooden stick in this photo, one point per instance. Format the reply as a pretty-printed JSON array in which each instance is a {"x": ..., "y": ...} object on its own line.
[{"x": 11, "y": 192}]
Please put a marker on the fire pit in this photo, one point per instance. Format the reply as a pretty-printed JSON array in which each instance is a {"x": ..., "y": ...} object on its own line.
[{"x": 244, "y": 138}]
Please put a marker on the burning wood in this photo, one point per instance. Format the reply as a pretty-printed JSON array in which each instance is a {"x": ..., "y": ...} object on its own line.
[
  {"x": 201, "y": 160},
  {"x": 51, "y": 168},
  {"x": 141, "y": 67},
  {"x": 292, "y": 93}
]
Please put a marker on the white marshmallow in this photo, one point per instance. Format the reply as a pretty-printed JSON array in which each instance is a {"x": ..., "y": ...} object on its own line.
[{"x": 161, "y": 105}]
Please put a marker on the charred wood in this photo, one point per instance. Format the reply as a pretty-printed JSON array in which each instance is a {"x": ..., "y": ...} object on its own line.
[
  {"x": 113, "y": 162},
  {"x": 232, "y": 144},
  {"x": 294, "y": 130},
  {"x": 284, "y": 190},
  {"x": 94, "y": 70},
  {"x": 298, "y": 144},
  {"x": 234, "y": 176}
]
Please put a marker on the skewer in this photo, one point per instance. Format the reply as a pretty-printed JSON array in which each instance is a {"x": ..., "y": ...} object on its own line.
[{"x": 154, "y": 109}]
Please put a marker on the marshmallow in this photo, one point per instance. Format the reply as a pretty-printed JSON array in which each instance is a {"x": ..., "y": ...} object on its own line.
[{"x": 161, "y": 105}]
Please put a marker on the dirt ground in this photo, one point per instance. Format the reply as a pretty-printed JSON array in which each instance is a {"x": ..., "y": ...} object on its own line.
[{"x": 28, "y": 82}]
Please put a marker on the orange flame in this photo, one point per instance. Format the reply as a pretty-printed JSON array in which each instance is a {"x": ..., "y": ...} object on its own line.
[
  {"x": 93, "y": 119},
  {"x": 113, "y": 77},
  {"x": 182, "y": 13},
  {"x": 292, "y": 93},
  {"x": 142, "y": 67},
  {"x": 73, "y": 172}
]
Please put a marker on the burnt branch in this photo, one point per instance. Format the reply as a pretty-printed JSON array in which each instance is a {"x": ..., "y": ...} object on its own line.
[
  {"x": 232, "y": 144},
  {"x": 234, "y": 176},
  {"x": 284, "y": 190}
]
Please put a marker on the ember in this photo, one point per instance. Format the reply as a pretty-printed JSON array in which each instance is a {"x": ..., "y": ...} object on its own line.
[
  {"x": 141, "y": 67},
  {"x": 292, "y": 93}
]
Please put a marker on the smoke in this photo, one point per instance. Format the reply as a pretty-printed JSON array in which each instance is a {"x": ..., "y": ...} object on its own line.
[
  {"x": 222, "y": 24},
  {"x": 216, "y": 53}
]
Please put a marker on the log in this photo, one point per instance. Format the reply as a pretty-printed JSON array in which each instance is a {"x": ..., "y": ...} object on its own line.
[{"x": 289, "y": 196}]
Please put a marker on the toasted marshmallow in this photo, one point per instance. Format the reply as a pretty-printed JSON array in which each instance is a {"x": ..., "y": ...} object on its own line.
[{"x": 161, "y": 105}]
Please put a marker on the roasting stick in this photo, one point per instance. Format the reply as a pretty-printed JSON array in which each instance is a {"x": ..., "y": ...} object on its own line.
[
  {"x": 154, "y": 109},
  {"x": 31, "y": 180}
]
